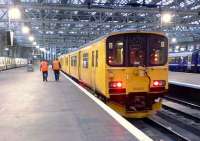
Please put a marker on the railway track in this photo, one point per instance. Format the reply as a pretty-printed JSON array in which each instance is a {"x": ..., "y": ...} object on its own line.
[
  {"x": 179, "y": 121},
  {"x": 170, "y": 127},
  {"x": 186, "y": 103},
  {"x": 166, "y": 129},
  {"x": 160, "y": 130},
  {"x": 189, "y": 110}
]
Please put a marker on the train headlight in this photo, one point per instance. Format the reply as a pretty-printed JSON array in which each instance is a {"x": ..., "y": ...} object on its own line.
[
  {"x": 115, "y": 84},
  {"x": 116, "y": 87},
  {"x": 119, "y": 84},
  {"x": 159, "y": 83}
]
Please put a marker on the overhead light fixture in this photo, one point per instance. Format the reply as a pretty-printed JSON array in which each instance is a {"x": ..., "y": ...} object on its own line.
[
  {"x": 31, "y": 38},
  {"x": 173, "y": 40},
  {"x": 60, "y": 32},
  {"x": 34, "y": 43},
  {"x": 177, "y": 47},
  {"x": 6, "y": 49},
  {"x": 43, "y": 49},
  {"x": 25, "y": 29},
  {"x": 166, "y": 18},
  {"x": 14, "y": 13},
  {"x": 37, "y": 46}
]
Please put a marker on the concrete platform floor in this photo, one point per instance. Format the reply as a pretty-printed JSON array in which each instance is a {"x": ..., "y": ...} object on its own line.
[
  {"x": 32, "y": 110},
  {"x": 185, "y": 79}
]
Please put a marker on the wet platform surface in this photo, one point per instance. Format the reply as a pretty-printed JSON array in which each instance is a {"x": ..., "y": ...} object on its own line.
[
  {"x": 32, "y": 110},
  {"x": 185, "y": 79}
]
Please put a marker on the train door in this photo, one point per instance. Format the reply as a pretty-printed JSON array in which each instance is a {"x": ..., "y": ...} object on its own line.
[
  {"x": 198, "y": 61},
  {"x": 189, "y": 64},
  {"x": 194, "y": 61},
  {"x": 136, "y": 56},
  {"x": 93, "y": 71},
  {"x": 79, "y": 65},
  {"x": 69, "y": 59}
]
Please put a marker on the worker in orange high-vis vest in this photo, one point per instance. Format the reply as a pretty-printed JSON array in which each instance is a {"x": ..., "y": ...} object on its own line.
[
  {"x": 56, "y": 68},
  {"x": 44, "y": 69}
]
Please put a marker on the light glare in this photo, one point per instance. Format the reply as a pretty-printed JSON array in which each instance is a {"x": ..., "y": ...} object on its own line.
[
  {"x": 14, "y": 13},
  {"x": 25, "y": 29},
  {"x": 166, "y": 17},
  {"x": 31, "y": 38},
  {"x": 43, "y": 49},
  {"x": 173, "y": 40},
  {"x": 34, "y": 43}
]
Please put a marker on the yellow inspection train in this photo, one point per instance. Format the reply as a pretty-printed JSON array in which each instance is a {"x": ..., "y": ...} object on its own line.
[{"x": 128, "y": 70}]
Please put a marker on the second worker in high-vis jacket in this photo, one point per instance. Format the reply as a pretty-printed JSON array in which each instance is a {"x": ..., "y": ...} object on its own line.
[{"x": 56, "y": 66}]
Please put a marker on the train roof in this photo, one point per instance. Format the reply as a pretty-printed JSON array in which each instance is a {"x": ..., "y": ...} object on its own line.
[
  {"x": 177, "y": 54},
  {"x": 116, "y": 33}
]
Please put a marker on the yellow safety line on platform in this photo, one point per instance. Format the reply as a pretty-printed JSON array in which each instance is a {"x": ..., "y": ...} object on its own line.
[{"x": 132, "y": 129}]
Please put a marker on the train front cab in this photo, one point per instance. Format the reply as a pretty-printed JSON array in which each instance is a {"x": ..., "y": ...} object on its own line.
[{"x": 137, "y": 73}]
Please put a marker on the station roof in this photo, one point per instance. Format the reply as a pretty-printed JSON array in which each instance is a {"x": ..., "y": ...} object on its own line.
[{"x": 71, "y": 23}]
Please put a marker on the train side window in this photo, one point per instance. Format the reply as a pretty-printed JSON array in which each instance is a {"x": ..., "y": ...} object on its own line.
[
  {"x": 92, "y": 58},
  {"x": 189, "y": 58},
  {"x": 73, "y": 61},
  {"x": 66, "y": 61},
  {"x": 97, "y": 57},
  {"x": 85, "y": 60}
]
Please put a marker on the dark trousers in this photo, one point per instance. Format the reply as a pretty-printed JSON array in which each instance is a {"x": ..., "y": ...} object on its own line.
[
  {"x": 45, "y": 75},
  {"x": 56, "y": 74}
]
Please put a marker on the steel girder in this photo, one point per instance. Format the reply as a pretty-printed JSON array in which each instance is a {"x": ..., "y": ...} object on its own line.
[{"x": 68, "y": 18}]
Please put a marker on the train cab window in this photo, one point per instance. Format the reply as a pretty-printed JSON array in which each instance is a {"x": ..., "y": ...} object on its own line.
[
  {"x": 116, "y": 53},
  {"x": 85, "y": 60},
  {"x": 158, "y": 50},
  {"x": 136, "y": 45}
]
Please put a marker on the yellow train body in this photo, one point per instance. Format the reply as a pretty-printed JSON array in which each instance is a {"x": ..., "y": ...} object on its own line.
[{"x": 136, "y": 97}]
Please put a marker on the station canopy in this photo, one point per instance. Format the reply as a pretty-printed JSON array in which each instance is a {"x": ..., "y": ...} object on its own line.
[{"x": 71, "y": 23}]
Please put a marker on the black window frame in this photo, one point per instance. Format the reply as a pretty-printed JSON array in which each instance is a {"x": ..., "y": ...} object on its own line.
[
  {"x": 126, "y": 61},
  {"x": 92, "y": 58},
  {"x": 97, "y": 58},
  {"x": 148, "y": 51},
  {"x": 129, "y": 64},
  {"x": 85, "y": 59},
  {"x": 66, "y": 61},
  {"x": 110, "y": 38},
  {"x": 74, "y": 61}
]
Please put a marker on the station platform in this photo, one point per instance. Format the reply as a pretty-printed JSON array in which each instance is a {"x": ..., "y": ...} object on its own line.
[
  {"x": 33, "y": 110},
  {"x": 191, "y": 80}
]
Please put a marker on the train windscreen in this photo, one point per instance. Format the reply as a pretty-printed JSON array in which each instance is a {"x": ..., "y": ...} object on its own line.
[
  {"x": 157, "y": 50},
  {"x": 116, "y": 51},
  {"x": 137, "y": 50}
]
